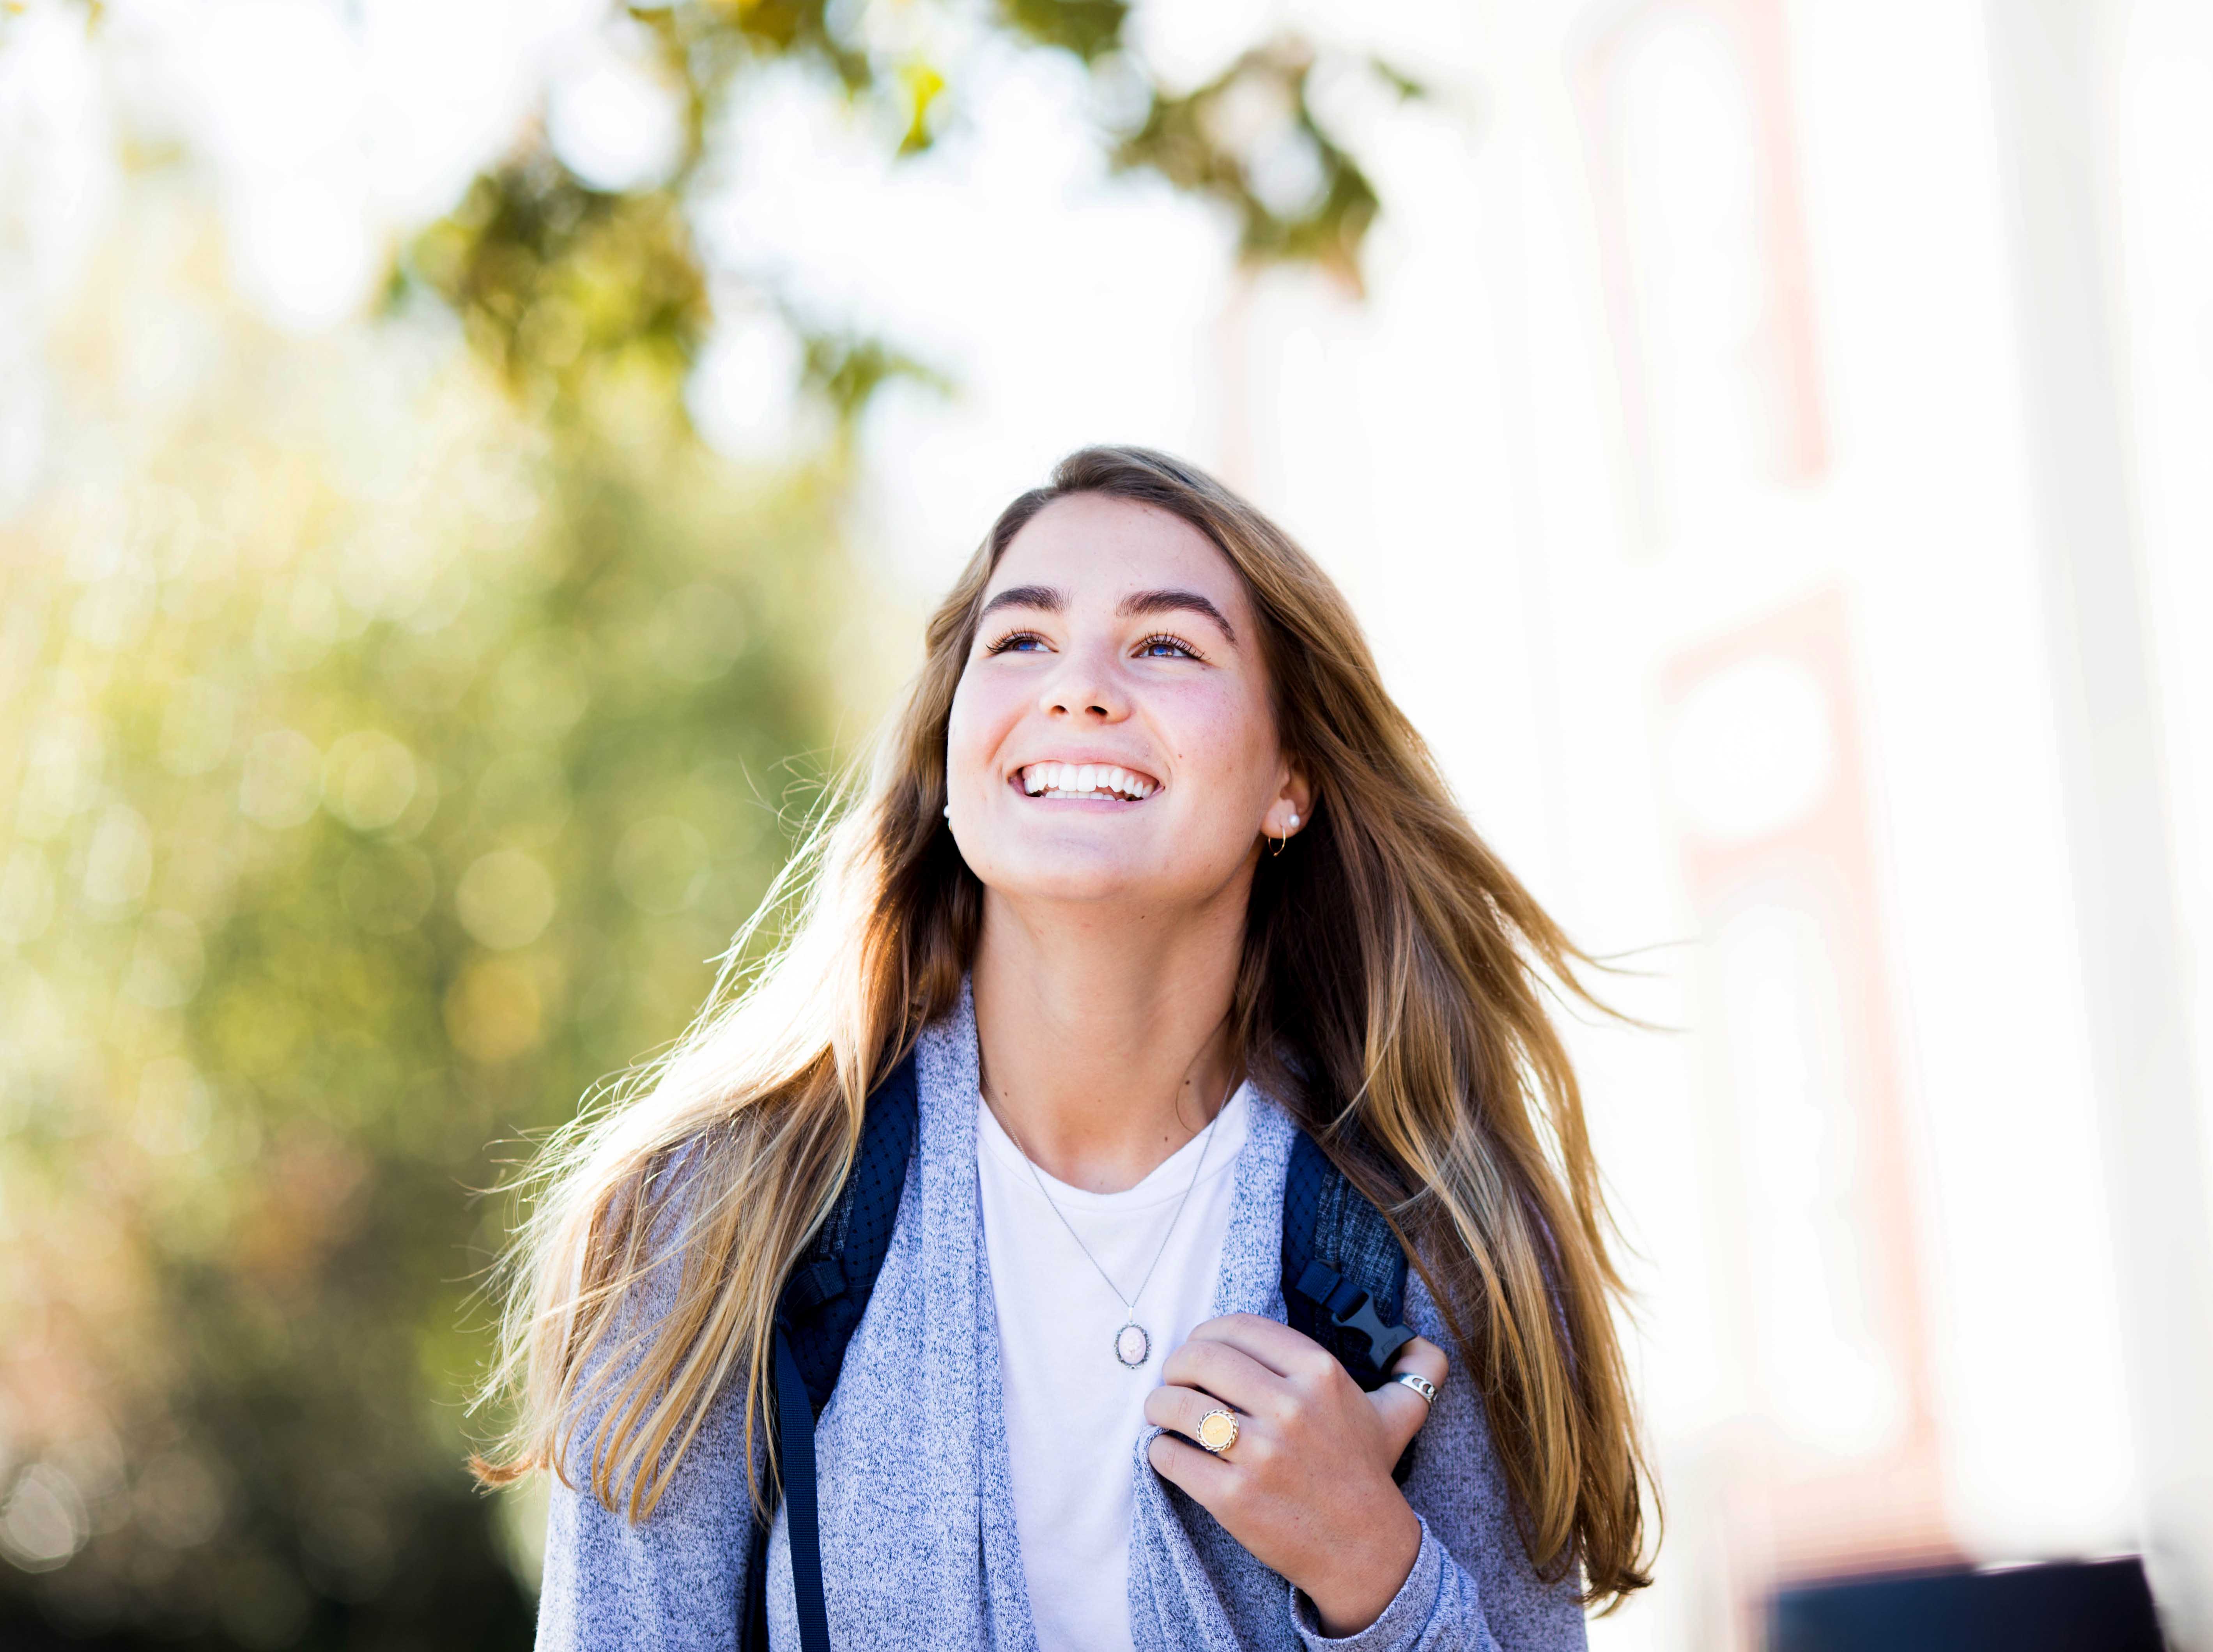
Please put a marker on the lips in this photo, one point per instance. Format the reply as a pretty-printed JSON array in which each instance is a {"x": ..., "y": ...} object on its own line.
[{"x": 1086, "y": 780}]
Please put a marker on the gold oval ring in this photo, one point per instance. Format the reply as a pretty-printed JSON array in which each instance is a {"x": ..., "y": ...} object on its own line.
[{"x": 1217, "y": 1430}]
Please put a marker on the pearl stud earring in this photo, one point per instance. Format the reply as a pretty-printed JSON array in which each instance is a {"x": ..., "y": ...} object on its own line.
[
  {"x": 1294, "y": 823},
  {"x": 948, "y": 811}
]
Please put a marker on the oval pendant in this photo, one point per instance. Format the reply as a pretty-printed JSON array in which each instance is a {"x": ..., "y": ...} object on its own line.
[{"x": 1132, "y": 1345}]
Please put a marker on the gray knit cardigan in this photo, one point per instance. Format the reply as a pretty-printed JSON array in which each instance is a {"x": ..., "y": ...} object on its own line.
[{"x": 919, "y": 1548}]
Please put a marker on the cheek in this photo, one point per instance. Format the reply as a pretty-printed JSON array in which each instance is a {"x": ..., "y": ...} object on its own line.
[
  {"x": 978, "y": 722},
  {"x": 959, "y": 739},
  {"x": 1219, "y": 734}
]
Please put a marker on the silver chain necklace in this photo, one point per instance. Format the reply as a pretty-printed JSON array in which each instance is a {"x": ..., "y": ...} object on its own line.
[{"x": 1133, "y": 1343}]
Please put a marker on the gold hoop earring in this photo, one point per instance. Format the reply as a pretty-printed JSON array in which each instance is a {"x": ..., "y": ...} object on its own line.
[{"x": 1278, "y": 848}]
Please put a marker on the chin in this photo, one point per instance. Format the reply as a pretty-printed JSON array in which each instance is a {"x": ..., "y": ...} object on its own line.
[{"x": 1080, "y": 877}]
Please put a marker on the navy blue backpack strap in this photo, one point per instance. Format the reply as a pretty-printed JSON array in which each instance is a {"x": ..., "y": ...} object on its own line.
[
  {"x": 822, "y": 1304},
  {"x": 1344, "y": 1271}
]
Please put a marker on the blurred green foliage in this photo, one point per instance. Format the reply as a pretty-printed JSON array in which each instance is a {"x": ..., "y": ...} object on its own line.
[
  {"x": 395, "y": 725},
  {"x": 391, "y": 769},
  {"x": 545, "y": 269}
]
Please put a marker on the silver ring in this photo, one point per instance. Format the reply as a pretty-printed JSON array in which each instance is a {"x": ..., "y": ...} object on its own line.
[
  {"x": 1420, "y": 1384},
  {"x": 1217, "y": 1430}
]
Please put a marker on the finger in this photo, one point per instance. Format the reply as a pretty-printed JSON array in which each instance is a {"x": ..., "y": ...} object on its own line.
[
  {"x": 1424, "y": 1359},
  {"x": 1403, "y": 1411},
  {"x": 1281, "y": 1350},
  {"x": 1229, "y": 1374},
  {"x": 1203, "y": 1474},
  {"x": 1182, "y": 1409}
]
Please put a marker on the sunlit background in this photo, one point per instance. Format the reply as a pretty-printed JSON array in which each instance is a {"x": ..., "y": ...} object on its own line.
[{"x": 470, "y": 469}]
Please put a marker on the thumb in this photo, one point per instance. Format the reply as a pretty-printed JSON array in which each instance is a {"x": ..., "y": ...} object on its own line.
[{"x": 1401, "y": 1410}]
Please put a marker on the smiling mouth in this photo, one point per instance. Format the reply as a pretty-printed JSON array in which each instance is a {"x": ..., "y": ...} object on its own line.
[{"x": 1085, "y": 781}]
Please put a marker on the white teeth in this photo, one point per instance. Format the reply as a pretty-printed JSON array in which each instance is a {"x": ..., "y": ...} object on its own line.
[{"x": 1079, "y": 780}]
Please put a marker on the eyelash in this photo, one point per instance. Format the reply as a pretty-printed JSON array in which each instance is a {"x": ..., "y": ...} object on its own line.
[
  {"x": 1169, "y": 638},
  {"x": 1172, "y": 641}
]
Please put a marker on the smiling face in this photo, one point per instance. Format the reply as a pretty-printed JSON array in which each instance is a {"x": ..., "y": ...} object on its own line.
[{"x": 1112, "y": 737}]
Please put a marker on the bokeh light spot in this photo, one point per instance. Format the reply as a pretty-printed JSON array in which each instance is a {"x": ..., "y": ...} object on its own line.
[
  {"x": 120, "y": 861},
  {"x": 282, "y": 782},
  {"x": 368, "y": 779},
  {"x": 43, "y": 1522},
  {"x": 614, "y": 123},
  {"x": 492, "y": 1010},
  {"x": 60, "y": 773},
  {"x": 505, "y": 899}
]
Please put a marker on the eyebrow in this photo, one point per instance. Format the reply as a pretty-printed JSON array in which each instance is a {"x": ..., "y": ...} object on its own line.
[
  {"x": 1045, "y": 597},
  {"x": 1144, "y": 602},
  {"x": 1051, "y": 599}
]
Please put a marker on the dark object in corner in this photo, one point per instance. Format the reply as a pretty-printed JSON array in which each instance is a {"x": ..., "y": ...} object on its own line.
[{"x": 2099, "y": 1606}]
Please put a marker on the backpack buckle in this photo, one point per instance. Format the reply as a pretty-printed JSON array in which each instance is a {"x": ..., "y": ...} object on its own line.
[{"x": 1350, "y": 1308}]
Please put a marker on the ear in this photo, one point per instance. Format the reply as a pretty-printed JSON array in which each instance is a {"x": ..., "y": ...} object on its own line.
[{"x": 1293, "y": 808}]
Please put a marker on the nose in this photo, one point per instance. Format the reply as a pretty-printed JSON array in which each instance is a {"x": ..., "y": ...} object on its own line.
[{"x": 1084, "y": 690}]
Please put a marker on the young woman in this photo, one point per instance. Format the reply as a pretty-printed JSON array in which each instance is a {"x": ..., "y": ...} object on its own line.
[{"x": 1151, "y": 876}]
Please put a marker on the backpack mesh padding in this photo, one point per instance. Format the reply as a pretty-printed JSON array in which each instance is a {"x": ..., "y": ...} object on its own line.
[
  {"x": 1327, "y": 1220},
  {"x": 855, "y": 1238}
]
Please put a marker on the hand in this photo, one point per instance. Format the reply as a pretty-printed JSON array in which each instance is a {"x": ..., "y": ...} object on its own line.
[{"x": 1308, "y": 1485}]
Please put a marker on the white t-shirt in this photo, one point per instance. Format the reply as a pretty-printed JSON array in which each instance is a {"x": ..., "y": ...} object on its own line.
[{"x": 1073, "y": 1410}]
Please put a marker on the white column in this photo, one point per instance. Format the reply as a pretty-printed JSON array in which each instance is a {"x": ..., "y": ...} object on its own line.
[{"x": 2052, "y": 66}]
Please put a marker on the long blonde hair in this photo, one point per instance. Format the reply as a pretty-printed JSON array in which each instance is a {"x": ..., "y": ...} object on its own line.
[{"x": 1389, "y": 994}]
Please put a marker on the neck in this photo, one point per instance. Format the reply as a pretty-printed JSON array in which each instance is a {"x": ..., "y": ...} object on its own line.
[{"x": 1104, "y": 1037}]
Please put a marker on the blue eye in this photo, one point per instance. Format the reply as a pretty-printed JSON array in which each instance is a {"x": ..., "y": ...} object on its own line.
[
  {"x": 1025, "y": 641},
  {"x": 1164, "y": 647}
]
